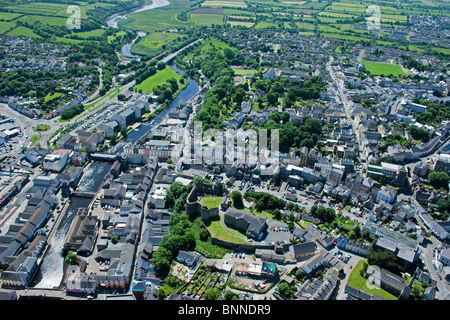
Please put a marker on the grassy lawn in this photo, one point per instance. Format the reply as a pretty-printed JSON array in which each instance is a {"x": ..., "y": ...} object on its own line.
[
  {"x": 211, "y": 202},
  {"x": 357, "y": 281},
  {"x": 207, "y": 248},
  {"x": 215, "y": 229},
  {"x": 34, "y": 139},
  {"x": 241, "y": 72},
  {"x": 52, "y": 96},
  {"x": 386, "y": 69},
  {"x": 41, "y": 128},
  {"x": 157, "y": 79},
  {"x": 304, "y": 223},
  {"x": 263, "y": 213},
  {"x": 157, "y": 39}
]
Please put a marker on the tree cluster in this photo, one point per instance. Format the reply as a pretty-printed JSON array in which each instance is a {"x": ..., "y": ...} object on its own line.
[
  {"x": 72, "y": 112},
  {"x": 323, "y": 213},
  {"x": 304, "y": 134},
  {"x": 265, "y": 201},
  {"x": 384, "y": 259}
]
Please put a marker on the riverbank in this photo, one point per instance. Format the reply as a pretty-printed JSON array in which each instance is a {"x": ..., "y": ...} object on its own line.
[
  {"x": 115, "y": 18},
  {"x": 51, "y": 266}
]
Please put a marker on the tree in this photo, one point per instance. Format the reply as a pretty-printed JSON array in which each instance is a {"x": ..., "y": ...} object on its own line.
[
  {"x": 162, "y": 258},
  {"x": 383, "y": 258},
  {"x": 161, "y": 65},
  {"x": 114, "y": 239},
  {"x": 439, "y": 179},
  {"x": 203, "y": 234},
  {"x": 123, "y": 131},
  {"x": 71, "y": 257},
  {"x": 230, "y": 295},
  {"x": 285, "y": 290},
  {"x": 211, "y": 294},
  {"x": 161, "y": 293},
  {"x": 236, "y": 199}
]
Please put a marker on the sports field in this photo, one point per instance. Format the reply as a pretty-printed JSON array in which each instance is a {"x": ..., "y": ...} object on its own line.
[{"x": 385, "y": 69}]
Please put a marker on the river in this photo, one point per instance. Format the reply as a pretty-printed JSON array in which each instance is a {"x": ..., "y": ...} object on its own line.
[
  {"x": 114, "y": 19},
  {"x": 188, "y": 93},
  {"x": 51, "y": 272}
]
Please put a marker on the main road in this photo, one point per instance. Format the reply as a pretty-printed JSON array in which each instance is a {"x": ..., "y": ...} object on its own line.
[{"x": 343, "y": 97}]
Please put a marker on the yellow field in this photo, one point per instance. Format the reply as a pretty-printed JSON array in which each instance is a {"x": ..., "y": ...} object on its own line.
[
  {"x": 224, "y": 4},
  {"x": 241, "y": 23}
]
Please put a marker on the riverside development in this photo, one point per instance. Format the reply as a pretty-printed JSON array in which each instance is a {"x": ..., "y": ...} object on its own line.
[{"x": 236, "y": 151}]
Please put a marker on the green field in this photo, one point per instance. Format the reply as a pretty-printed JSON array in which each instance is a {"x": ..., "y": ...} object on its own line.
[
  {"x": 120, "y": 33},
  {"x": 53, "y": 96},
  {"x": 211, "y": 202},
  {"x": 157, "y": 39},
  {"x": 87, "y": 34},
  {"x": 216, "y": 230},
  {"x": 6, "y": 26},
  {"x": 385, "y": 69},
  {"x": 359, "y": 282},
  {"x": 8, "y": 16},
  {"x": 22, "y": 31},
  {"x": 52, "y": 14},
  {"x": 158, "y": 19},
  {"x": 242, "y": 72},
  {"x": 157, "y": 79},
  {"x": 153, "y": 43},
  {"x": 54, "y": 21},
  {"x": 206, "y": 19},
  {"x": 41, "y": 128}
]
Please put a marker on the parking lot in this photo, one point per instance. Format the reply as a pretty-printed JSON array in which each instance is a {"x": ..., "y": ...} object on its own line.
[{"x": 277, "y": 232}]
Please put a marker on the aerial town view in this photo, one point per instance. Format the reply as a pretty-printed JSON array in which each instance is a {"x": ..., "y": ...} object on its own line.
[{"x": 238, "y": 150}]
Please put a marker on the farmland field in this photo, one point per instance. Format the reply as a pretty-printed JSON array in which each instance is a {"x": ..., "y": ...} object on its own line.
[
  {"x": 87, "y": 34},
  {"x": 247, "y": 24},
  {"x": 152, "y": 20},
  {"x": 8, "y": 16},
  {"x": 54, "y": 21},
  {"x": 236, "y": 4},
  {"x": 206, "y": 19},
  {"x": 6, "y": 26},
  {"x": 377, "y": 68},
  {"x": 22, "y": 31}
]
